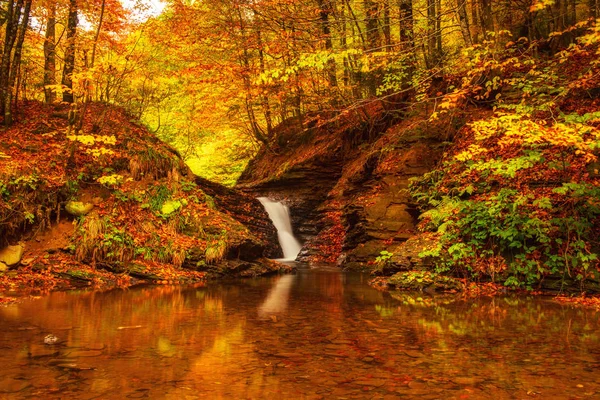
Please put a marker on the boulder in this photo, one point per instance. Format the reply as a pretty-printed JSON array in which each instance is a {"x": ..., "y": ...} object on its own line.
[
  {"x": 11, "y": 255},
  {"x": 3, "y": 267},
  {"x": 78, "y": 208},
  {"x": 396, "y": 263}
]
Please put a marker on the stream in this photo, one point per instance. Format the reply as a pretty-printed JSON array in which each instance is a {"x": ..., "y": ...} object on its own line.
[{"x": 317, "y": 334}]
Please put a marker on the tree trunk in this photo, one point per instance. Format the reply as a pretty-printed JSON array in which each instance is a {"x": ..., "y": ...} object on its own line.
[
  {"x": 50, "y": 53},
  {"x": 431, "y": 34},
  {"x": 87, "y": 83},
  {"x": 344, "y": 46},
  {"x": 438, "y": 29},
  {"x": 372, "y": 31},
  {"x": 16, "y": 62},
  {"x": 67, "y": 77},
  {"x": 407, "y": 36},
  {"x": 461, "y": 10},
  {"x": 387, "y": 27},
  {"x": 10, "y": 35},
  {"x": 487, "y": 17},
  {"x": 264, "y": 97},
  {"x": 324, "y": 12}
]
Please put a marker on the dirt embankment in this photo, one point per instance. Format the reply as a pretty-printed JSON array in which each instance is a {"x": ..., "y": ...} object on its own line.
[{"x": 112, "y": 205}]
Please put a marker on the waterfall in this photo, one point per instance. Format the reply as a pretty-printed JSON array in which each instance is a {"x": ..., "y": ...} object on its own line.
[{"x": 280, "y": 216}]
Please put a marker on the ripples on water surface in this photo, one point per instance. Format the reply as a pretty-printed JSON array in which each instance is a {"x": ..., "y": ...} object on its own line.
[{"x": 317, "y": 334}]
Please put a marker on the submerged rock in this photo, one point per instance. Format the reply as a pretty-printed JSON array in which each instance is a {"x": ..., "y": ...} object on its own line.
[
  {"x": 11, "y": 255},
  {"x": 50, "y": 339}
]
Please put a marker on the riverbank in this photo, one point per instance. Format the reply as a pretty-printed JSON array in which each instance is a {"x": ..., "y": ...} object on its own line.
[{"x": 100, "y": 202}]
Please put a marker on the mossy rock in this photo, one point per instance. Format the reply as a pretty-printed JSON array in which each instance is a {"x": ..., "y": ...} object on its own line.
[
  {"x": 423, "y": 280},
  {"x": 78, "y": 208},
  {"x": 11, "y": 255}
]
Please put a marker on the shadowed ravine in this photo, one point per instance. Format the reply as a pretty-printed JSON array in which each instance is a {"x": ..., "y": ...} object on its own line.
[{"x": 319, "y": 334}]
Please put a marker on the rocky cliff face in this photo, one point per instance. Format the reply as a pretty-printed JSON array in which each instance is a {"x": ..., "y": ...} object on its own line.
[
  {"x": 346, "y": 184},
  {"x": 247, "y": 210}
]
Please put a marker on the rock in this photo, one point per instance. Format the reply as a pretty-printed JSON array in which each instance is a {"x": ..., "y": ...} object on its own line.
[
  {"x": 249, "y": 211},
  {"x": 78, "y": 208},
  {"x": 3, "y": 267},
  {"x": 27, "y": 261},
  {"x": 50, "y": 339},
  {"x": 395, "y": 264},
  {"x": 11, "y": 255}
]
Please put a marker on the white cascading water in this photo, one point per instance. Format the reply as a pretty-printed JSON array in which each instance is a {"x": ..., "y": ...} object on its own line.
[{"x": 280, "y": 216}]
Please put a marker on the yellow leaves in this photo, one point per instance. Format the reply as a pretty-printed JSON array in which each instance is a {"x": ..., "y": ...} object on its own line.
[
  {"x": 90, "y": 140},
  {"x": 472, "y": 152},
  {"x": 539, "y": 5},
  {"x": 110, "y": 180},
  {"x": 99, "y": 152},
  {"x": 520, "y": 130}
]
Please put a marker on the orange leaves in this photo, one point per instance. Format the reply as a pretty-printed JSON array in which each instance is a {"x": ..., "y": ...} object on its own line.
[{"x": 329, "y": 242}]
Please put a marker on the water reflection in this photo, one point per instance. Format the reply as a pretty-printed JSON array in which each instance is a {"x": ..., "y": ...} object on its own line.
[
  {"x": 332, "y": 336},
  {"x": 277, "y": 300}
]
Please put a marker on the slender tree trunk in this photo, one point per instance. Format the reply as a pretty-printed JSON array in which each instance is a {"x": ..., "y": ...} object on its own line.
[
  {"x": 245, "y": 63},
  {"x": 476, "y": 26},
  {"x": 50, "y": 53},
  {"x": 67, "y": 77},
  {"x": 373, "y": 43},
  {"x": 97, "y": 35},
  {"x": 487, "y": 17},
  {"x": 324, "y": 13},
  {"x": 461, "y": 10},
  {"x": 16, "y": 62},
  {"x": 387, "y": 26},
  {"x": 594, "y": 6},
  {"x": 407, "y": 36},
  {"x": 438, "y": 29},
  {"x": 87, "y": 83},
  {"x": 10, "y": 35},
  {"x": 431, "y": 34},
  {"x": 344, "y": 46},
  {"x": 264, "y": 97}
]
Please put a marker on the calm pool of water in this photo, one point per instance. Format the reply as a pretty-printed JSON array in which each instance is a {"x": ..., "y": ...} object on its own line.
[{"x": 317, "y": 334}]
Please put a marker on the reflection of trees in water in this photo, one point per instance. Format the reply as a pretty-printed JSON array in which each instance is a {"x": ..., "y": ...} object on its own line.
[
  {"x": 156, "y": 324},
  {"x": 214, "y": 339},
  {"x": 486, "y": 316}
]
